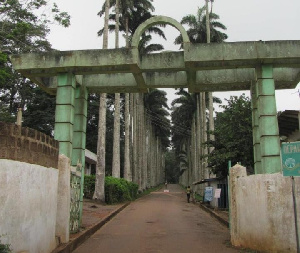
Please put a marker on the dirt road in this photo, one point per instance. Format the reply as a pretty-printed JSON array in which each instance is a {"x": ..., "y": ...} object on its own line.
[{"x": 160, "y": 222}]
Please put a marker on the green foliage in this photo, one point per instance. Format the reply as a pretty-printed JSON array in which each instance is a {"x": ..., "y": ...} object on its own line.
[
  {"x": 40, "y": 112},
  {"x": 89, "y": 186},
  {"x": 233, "y": 135},
  {"x": 92, "y": 122},
  {"x": 157, "y": 111},
  {"x": 5, "y": 72},
  {"x": 119, "y": 190},
  {"x": 116, "y": 189},
  {"x": 182, "y": 114},
  {"x": 5, "y": 248},
  {"x": 23, "y": 29},
  {"x": 172, "y": 167},
  {"x": 135, "y": 13},
  {"x": 197, "y": 28}
]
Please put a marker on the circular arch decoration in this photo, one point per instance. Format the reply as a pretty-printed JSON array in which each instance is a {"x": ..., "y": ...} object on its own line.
[{"x": 158, "y": 20}]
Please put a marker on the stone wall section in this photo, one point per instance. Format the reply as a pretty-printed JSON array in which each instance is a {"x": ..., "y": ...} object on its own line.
[
  {"x": 261, "y": 211},
  {"x": 27, "y": 145}
]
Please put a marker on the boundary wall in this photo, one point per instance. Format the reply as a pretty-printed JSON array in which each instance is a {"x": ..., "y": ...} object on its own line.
[
  {"x": 261, "y": 211},
  {"x": 27, "y": 145},
  {"x": 34, "y": 190}
]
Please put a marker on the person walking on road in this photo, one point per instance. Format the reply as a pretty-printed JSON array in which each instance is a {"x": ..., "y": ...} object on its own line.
[{"x": 188, "y": 193}]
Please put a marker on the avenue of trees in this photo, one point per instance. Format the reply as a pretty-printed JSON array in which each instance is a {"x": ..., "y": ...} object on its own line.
[{"x": 129, "y": 131}]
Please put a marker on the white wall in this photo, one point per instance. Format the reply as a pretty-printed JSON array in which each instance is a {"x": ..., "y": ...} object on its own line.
[
  {"x": 28, "y": 197},
  {"x": 261, "y": 211}
]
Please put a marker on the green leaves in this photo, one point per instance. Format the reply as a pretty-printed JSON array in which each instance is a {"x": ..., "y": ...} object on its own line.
[
  {"x": 63, "y": 18},
  {"x": 233, "y": 133},
  {"x": 156, "y": 109},
  {"x": 23, "y": 30},
  {"x": 197, "y": 28}
]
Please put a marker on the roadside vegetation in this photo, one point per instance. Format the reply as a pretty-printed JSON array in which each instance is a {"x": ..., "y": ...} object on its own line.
[{"x": 117, "y": 190}]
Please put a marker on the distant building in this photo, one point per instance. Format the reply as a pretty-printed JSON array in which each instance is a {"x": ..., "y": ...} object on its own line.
[
  {"x": 289, "y": 125},
  {"x": 90, "y": 163}
]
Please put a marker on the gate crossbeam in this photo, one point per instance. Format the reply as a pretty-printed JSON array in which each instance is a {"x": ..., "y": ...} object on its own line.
[{"x": 215, "y": 67}]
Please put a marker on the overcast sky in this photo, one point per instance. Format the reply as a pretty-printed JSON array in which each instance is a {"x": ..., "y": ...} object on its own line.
[{"x": 250, "y": 20}]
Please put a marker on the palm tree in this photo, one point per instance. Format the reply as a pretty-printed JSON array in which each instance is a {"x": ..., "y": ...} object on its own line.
[
  {"x": 197, "y": 28},
  {"x": 100, "y": 167},
  {"x": 116, "y": 141},
  {"x": 129, "y": 22},
  {"x": 128, "y": 17},
  {"x": 157, "y": 110},
  {"x": 202, "y": 30},
  {"x": 158, "y": 129}
]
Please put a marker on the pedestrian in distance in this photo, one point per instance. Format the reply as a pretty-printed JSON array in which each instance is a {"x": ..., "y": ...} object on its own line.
[
  {"x": 188, "y": 193},
  {"x": 166, "y": 185}
]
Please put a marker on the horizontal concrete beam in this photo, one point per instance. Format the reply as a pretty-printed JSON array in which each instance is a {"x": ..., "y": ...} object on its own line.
[
  {"x": 78, "y": 62},
  {"x": 218, "y": 67},
  {"x": 242, "y": 54},
  {"x": 206, "y": 80}
]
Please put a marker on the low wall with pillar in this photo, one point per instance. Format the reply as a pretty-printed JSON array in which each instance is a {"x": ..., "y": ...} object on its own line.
[
  {"x": 261, "y": 211},
  {"x": 34, "y": 190}
]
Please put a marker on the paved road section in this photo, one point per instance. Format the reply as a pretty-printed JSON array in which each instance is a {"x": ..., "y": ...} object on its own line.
[{"x": 160, "y": 222}]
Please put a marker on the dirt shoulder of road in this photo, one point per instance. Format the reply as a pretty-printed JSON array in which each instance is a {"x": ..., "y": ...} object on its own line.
[{"x": 94, "y": 216}]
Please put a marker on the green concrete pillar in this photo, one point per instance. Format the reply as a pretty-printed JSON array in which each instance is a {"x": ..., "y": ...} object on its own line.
[
  {"x": 255, "y": 130},
  {"x": 79, "y": 135},
  {"x": 64, "y": 113},
  {"x": 268, "y": 125}
]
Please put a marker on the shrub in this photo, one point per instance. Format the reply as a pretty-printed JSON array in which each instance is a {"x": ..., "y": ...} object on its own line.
[
  {"x": 119, "y": 190},
  {"x": 116, "y": 189},
  {"x": 89, "y": 186},
  {"x": 4, "y": 248}
]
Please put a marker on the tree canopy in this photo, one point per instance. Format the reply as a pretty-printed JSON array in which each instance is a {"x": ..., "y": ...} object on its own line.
[
  {"x": 197, "y": 28},
  {"x": 23, "y": 29},
  {"x": 233, "y": 135}
]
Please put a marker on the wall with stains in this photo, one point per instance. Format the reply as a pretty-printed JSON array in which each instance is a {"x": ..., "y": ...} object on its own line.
[
  {"x": 28, "y": 197},
  {"x": 261, "y": 211}
]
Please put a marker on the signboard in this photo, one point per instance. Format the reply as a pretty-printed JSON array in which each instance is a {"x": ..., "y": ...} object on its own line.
[
  {"x": 290, "y": 159},
  {"x": 217, "y": 193},
  {"x": 208, "y": 195}
]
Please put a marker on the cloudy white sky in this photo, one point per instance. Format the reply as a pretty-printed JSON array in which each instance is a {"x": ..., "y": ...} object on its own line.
[{"x": 250, "y": 20}]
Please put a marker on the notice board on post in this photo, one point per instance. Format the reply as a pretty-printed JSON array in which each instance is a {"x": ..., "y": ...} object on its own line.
[
  {"x": 208, "y": 194},
  {"x": 290, "y": 159}
]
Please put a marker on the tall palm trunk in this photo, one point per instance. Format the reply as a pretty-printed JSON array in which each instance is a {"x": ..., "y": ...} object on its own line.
[
  {"x": 127, "y": 172},
  {"x": 204, "y": 125},
  {"x": 116, "y": 140},
  {"x": 100, "y": 167},
  {"x": 135, "y": 142},
  {"x": 210, "y": 96},
  {"x": 199, "y": 141},
  {"x": 117, "y": 24},
  {"x": 127, "y": 167},
  {"x": 127, "y": 32}
]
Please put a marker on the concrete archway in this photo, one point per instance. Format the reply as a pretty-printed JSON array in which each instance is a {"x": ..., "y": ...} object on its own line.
[{"x": 158, "y": 20}]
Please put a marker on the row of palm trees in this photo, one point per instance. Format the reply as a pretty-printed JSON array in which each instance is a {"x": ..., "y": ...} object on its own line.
[
  {"x": 143, "y": 163},
  {"x": 147, "y": 127},
  {"x": 189, "y": 111}
]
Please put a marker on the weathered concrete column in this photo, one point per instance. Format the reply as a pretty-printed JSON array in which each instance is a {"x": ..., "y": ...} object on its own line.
[
  {"x": 80, "y": 121},
  {"x": 79, "y": 135},
  {"x": 255, "y": 130},
  {"x": 64, "y": 113},
  {"x": 268, "y": 125},
  {"x": 62, "y": 229}
]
